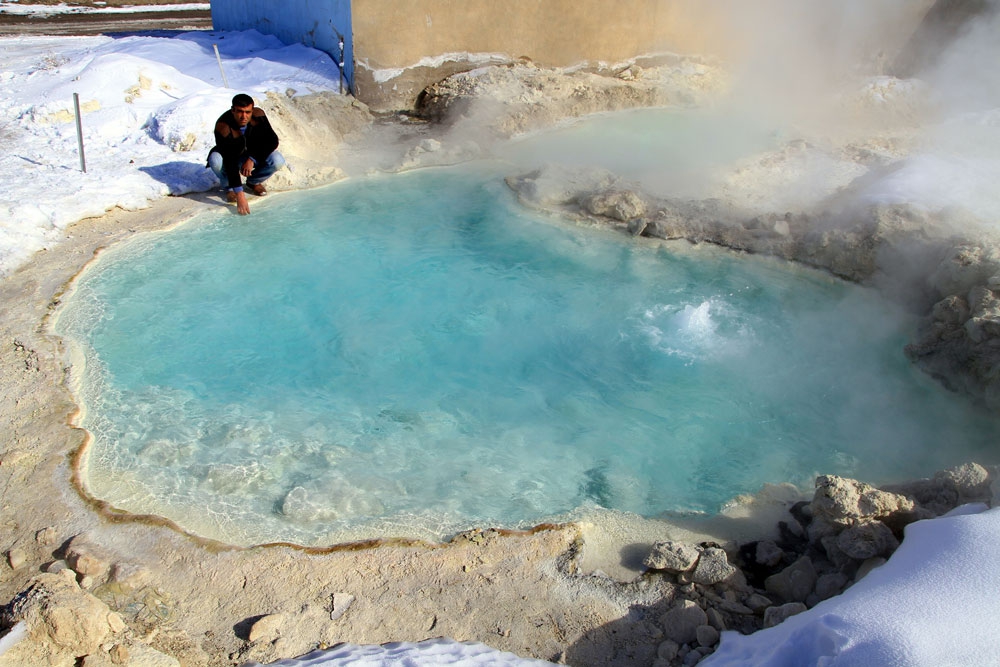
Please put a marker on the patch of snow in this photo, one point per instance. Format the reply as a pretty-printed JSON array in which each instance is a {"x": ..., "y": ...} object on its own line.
[
  {"x": 438, "y": 652},
  {"x": 933, "y": 603},
  {"x": 148, "y": 106},
  {"x": 18, "y": 9}
]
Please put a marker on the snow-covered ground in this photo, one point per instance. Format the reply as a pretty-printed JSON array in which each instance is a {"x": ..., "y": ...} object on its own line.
[
  {"x": 148, "y": 106},
  {"x": 20, "y": 9}
]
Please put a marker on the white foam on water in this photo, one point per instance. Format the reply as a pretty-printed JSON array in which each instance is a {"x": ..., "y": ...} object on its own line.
[{"x": 710, "y": 329}]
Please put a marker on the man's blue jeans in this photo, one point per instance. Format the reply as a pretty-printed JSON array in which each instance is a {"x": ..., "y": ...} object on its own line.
[{"x": 261, "y": 172}]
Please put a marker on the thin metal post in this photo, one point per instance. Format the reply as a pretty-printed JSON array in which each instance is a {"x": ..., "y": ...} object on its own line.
[
  {"x": 79, "y": 132},
  {"x": 340, "y": 66},
  {"x": 218, "y": 58}
]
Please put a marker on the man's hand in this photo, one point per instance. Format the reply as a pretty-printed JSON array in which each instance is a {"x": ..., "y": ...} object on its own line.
[
  {"x": 247, "y": 168},
  {"x": 242, "y": 207}
]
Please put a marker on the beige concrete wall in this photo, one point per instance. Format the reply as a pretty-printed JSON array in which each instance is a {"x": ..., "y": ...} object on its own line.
[
  {"x": 392, "y": 36},
  {"x": 395, "y": 33}
]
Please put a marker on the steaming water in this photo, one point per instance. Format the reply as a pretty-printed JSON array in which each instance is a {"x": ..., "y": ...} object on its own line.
[
  {"x": 666, "y": 151},
  {"x": 415, "y": 355}
]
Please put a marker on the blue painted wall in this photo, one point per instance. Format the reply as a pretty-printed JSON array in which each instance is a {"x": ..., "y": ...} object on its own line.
[{"x": 317, "y": 23}]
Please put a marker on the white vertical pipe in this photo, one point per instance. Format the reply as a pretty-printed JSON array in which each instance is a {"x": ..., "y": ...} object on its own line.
[
  {"x": 218, "y": 59},
  {"x": 79, "y": 132}
]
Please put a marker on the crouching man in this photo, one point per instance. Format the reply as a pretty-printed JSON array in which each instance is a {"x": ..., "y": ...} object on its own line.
[{"x": 245, "y": 146}]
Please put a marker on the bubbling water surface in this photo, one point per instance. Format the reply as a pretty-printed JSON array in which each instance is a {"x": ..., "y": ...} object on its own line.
[{"x": 414, "y": 355}]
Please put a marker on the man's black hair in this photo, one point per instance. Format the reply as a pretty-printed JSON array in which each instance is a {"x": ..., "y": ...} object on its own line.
[{"x": 242, "y": 100}]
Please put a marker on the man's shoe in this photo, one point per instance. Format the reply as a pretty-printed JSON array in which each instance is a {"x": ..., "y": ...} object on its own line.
[
  {"x": 231, "y": 197},
  {"x": 259, "y": 189}
]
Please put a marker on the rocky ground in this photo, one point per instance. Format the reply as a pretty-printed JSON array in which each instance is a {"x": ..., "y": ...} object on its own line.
[{"x": 95, "y": 586}]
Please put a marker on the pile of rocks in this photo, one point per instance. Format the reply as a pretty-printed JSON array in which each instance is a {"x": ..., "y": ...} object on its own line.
[
  {"x": 845, "y": 531},
  {"x": 849, "y": 250},
  {"x": 520, "y": 97},
  {"x": 63, "y": 613}
]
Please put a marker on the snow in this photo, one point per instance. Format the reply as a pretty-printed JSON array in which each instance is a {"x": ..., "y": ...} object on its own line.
[
  {"x": 51, "y": 10},
  {"x": 438, "y": 652},
  {"x": 149, "y": 103},
  {"x": 934, "y": 603},
  {"x": 148, "y": 106}
]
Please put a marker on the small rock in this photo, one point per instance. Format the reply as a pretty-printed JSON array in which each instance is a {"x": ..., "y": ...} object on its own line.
[
  {"x": 775, "y": 615},
  {"x": 429, "y": 145},
  {"x": 266, "y": 628},
  {"x": 119, "y": 654},
  {"x": 637, "y": 226},
  {"x": 712, "y": 567},
  {"x": 341, "y": 602},
  {"x": 867, "y": 538},
  {"x": 867, "y": 567},
  {"x": 681, "y": 622},
  {"x": 820, "y": 528},
  {"x": 828, "y": 585},
  {"x": 768, "y": 553},
  {"x": 671, "y": 556},
  {"x": 16, "y": 558},
  {"x": 147, "y": 656},
  {"x": 834, "y": 553},
  {"x": 758, "y": 603},
  {"x": 47, "y": 536},
  {"x": 623, "y": 205},
  {"x": 715, "y": 619},
  {"x": 795, "y": 582},
  {"x": 129, "y": 574},
  {"x": 691, "y": 659},
  {"x": 736, "y": 608},
  {"x": 56, "y": 566},
  {"x": 706, "y": 635},
  {"x": 115, "y": 622},
  {"x": 667, "y": 650},
  {"x": 85, "y": 557}
]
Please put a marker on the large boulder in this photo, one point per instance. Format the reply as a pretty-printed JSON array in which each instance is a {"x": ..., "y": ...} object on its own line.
[
  {"x": 712, "y": 567},
  {"x": 622, "y": 205},
  {"x": 794, "y": 583},
  {"x": 61, "y": 618},
  {"x": 867, "y": 538},
  {"x": 844, "y": 502},
  {"x": 672, "y": 556}
]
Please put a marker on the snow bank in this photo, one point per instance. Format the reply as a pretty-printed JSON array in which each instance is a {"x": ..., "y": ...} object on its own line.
[
  {"x": 148, "y": 106},
  {"x": 430, "y": 653},
  {"x": 933, "y": 603}
]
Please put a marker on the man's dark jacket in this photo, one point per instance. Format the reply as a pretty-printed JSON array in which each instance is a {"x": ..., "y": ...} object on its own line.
[{"x": 258, "y": 142}]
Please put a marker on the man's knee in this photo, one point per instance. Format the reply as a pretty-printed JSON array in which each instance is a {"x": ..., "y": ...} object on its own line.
[
  {"x": 275, "y": 161},
  {"x": 215, "y": 162}
]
